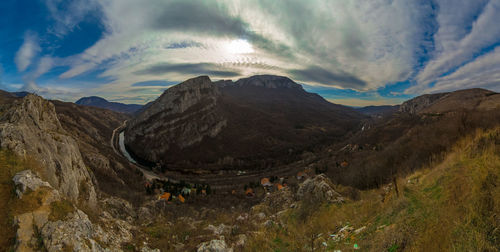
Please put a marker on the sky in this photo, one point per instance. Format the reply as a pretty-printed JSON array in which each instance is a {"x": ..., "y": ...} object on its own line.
[{"x": 357, "y": 52}]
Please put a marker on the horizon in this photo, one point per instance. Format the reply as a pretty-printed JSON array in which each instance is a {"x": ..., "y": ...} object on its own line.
[
  {"x": 356, "y": 103},
  {"x": 356, "y": 54}
]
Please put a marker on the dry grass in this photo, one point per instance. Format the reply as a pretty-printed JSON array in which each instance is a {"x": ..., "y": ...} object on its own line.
[
  {"x": 60, "y": 209},
  {"x": 451, "y": 206},
  {"x": 10, "y": 164}
]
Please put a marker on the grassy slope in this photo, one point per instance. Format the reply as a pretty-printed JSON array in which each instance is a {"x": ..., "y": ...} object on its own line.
[
  {"x": 10, "y": 206},
  {"x": 451, "y": 206}
]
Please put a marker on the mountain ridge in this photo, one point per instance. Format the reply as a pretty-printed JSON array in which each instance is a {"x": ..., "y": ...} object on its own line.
[{"x": 100, "y": 102}]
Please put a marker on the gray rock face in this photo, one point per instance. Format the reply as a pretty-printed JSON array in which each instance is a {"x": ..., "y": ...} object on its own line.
[
  {"x": 182, "y": 116},
  {"x": 74, "y": 232},
  {"x": 419, "y": 103},
  {"x": 266, "y": 81},
  {"x": 319, "y": 189},
  {"x": 30, "y": 127}
]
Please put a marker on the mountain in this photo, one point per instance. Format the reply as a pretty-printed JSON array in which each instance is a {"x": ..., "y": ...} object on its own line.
[
  {"x": 378, "y": 110},
  {"x": 467, "y": 99},
  {"x": 252, "y": 123},
  {"x": 20, "y": 94},
  {"x": 423, "y": 130},
  {"x": 66, "y": 186},
  {"x": 99, "y": 102}
]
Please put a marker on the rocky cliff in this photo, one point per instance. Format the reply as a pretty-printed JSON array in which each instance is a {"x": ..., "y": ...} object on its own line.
[
  {"x": 266, "y": 81},
  {"x": 182, "y": 116},
  {"x": 30, "y": 128},
  {"x": 258, "y": 121},
  {"x": 419, "y": 103},
  {"x": 467, "y": 99}
]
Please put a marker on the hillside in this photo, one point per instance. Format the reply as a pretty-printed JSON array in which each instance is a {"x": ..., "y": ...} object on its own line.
[
  {"x": 449, "y": 206},
  {"x": 99, "y": 102},
  {"x": 403, "y": 142},
  {"x": 92, "y": 128},
  {"x": 378, "y": 110},
  {"x": 253, "y": 123}
]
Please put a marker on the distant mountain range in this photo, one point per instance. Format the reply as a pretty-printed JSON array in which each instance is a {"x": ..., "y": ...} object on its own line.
[{"x": 99, "y": 102}]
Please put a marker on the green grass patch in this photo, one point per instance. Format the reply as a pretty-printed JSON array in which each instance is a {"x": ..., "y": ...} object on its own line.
[{"x": 60, "y": 209}]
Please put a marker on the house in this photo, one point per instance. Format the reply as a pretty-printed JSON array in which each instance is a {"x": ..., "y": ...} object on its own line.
[
  {"x": 249, "y": 193},
  {"x": 265, "y": 182},
  {"x": 165, "y": 196},
  {"x": 344, "y": 164},
  {"x": 181, "y": 199},
  {"x": 279, "y": 186}
]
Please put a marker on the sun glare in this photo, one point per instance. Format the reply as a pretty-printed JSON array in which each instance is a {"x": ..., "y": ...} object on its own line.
[{"x": 239, "y": 46}]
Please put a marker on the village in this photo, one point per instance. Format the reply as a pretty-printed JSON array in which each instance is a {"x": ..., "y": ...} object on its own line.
[{"x": 183, "y": 192}]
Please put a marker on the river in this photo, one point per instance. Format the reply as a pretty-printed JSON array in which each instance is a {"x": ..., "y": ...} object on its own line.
[{"x": 121, "y": 142}]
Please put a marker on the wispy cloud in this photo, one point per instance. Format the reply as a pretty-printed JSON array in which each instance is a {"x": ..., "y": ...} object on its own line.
[
  {"x": 466, "y": 29},
  {"x": 362, "y": 45},
  {"x": 27, "y": 52},
  {"x": 188, "y": 69}
]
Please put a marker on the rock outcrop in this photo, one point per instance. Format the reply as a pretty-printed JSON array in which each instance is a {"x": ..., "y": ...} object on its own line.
[
  {"x": 30, "y": 128},
  {"x": 279, "y": 200},
  {"x": 266, "y": 81},
  {"x": 182, "y": 116},
  {"x": 419, "y": 103},
  {"x": 319, "y": 189},
  {"x": 57, "y": 225},
  {"x": 214, "y": 246},
  {"x": 27, "y": 180}
]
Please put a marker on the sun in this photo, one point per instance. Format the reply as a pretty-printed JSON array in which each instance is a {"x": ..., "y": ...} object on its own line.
[{"x": 239, "y": 46}]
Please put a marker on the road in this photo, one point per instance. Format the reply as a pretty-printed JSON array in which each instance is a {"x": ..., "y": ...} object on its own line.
[
  {"x": 115, "y": 143},
  {"x": 225, "y": 182}
]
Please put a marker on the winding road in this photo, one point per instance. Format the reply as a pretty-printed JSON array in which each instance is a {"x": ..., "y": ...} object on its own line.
[
  {"x": 216, "y": 181},
  {"x": 115, "y": 141}
]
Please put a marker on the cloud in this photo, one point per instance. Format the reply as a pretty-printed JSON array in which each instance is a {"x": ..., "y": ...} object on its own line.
[
  {"x": 363, "y": 45},
  {"x": 188, "y": 69},
  {"x": 153, "y": 83},
  {"x": 363, "y": 53},
  {"x": 319, "y": 75},
  {"x": 27, "y": 52},
  {"x": 68, "y": 14},
  {"x": 466, "y": 29},
  {"x": 482, "y": 72}
]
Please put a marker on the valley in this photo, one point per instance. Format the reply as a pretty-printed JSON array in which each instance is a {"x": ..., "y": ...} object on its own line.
[{"x": 253, "y": 165}]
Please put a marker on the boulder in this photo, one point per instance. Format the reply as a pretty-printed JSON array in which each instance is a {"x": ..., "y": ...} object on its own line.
[
  {"x": 214, "y": 246},
  {"x": 25, "y": 180},
  {"x": 219, "y": 230},
  {"x": 319, "y": 189}
]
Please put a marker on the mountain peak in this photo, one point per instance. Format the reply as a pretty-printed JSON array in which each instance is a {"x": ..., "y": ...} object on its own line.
[
  {"x": 265, "y": 81},
  {"x": 268, "y": 81}
]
